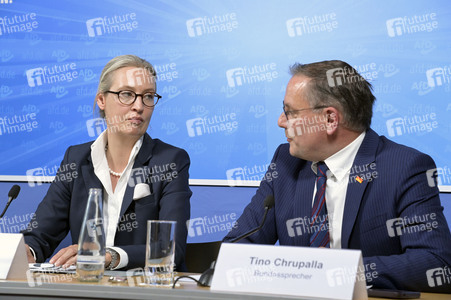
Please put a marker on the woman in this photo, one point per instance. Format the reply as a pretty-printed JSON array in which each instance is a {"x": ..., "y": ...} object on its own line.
[{"x": 142, "y": 178}]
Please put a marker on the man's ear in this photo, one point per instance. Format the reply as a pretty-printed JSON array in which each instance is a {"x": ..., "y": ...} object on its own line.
[
  {"x": 101, "y": 101},
  {"x": 332, "y": 120}
]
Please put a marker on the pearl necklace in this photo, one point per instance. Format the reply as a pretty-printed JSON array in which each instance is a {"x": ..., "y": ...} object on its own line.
[{"x": 116, "y": 174}]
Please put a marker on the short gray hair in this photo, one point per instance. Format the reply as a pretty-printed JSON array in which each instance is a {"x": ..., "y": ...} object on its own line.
[
  {"x": 118, "y": 62},
  {"x": 352, "y": 96}
]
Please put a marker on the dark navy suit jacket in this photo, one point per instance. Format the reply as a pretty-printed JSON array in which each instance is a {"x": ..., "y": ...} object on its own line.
[
  {"x": 63, "y": 208},
  {"x": 401, "y": 255}
]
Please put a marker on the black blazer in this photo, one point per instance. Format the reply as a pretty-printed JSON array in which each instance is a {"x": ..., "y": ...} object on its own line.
[{"x": 164, "y": 168}]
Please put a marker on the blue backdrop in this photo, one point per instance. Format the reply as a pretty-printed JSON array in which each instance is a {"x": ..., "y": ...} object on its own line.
[
  {"x": 210, "y": 222},
  {"x": 222, "y": 70}
]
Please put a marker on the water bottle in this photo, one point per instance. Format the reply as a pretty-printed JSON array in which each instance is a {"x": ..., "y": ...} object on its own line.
[{"x": 91, "y": 242}]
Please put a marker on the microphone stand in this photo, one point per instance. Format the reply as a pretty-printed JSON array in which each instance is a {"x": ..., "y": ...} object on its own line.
[{"x": 207, "y": 276}]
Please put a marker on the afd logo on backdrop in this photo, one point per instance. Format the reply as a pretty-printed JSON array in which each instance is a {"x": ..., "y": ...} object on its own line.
[
  {"x": 209, "y": 25},
  {"x": 5, "y": 91},
  {"x": 111, "y": 24},
  {"x": 52, "y": 74},
  {"x": 311, "y": 25},
  {"x": 413, "y": 124},
  {"x": 6, "y": 55},
  {"x": 413, "y": 24},
  {"x": 251, "y": 74},
  {"x": 438, "y": 76},
  {"x": 226, "y": 123}
]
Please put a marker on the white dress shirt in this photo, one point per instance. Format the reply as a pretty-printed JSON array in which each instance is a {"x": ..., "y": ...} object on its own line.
[
  {"x": 339, "y": 166},
  {"x": 112, "y": 201}
]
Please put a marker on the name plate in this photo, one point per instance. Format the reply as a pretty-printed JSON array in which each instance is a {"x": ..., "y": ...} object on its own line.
[
  {"x": 286, "y": 270},
  {"x": 13, "y": 258}
]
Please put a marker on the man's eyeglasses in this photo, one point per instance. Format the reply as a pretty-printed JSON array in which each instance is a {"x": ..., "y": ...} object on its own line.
[
  {"x": 291, "y": 114},
  {"x": 129, "y": 97}
]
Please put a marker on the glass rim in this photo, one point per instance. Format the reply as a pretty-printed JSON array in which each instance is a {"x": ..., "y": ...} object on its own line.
[
  {"x": 160, "y": 221},
  {"x": 136, "y": 97}
]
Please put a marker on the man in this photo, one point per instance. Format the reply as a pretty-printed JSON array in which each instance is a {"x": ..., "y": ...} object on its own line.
[{"x": 341, "y": 185}]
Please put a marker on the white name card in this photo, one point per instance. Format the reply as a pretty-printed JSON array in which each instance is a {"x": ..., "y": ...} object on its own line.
[
  {"x": 13, "y": 259},
  {"x": 285, "y": 270}
]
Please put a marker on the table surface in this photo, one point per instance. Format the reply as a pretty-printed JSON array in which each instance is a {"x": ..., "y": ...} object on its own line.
[{"x": 67, "y": 286}]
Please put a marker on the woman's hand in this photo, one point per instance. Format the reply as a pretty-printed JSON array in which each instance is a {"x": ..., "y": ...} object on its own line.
[
  {"x": 65, "y": 257},
  {"x": 30, "y": 256}
]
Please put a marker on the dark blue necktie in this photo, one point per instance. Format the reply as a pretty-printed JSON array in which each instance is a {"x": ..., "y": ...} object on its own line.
[{"x": 319, "y": 233}]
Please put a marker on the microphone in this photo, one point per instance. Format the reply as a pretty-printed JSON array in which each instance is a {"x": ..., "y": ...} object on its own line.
[
  {"x": 13, "y": 193},
  {"x": 207, "y": 276},
  {"x": 268, "y": 204}
]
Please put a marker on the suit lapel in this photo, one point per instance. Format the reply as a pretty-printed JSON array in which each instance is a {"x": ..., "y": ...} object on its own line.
[
  {"x": 89, "y": 177},
  {"x": 143, "y": 157},
  {"x": 303, "y": 203},
  {"x": 90, "y": 180},
  {"x": 365, "y": 156}
]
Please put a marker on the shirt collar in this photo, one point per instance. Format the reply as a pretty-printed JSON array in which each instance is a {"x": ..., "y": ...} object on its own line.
[
  {"x": 98, "y": 150},
  {"x": 340, "y": 163}
]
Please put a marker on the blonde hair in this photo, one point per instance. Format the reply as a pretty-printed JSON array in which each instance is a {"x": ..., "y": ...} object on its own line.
[{"x": 118, "y": 62}]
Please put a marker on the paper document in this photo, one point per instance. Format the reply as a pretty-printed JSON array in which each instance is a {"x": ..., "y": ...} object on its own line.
[{"x": 51, "y": 268}]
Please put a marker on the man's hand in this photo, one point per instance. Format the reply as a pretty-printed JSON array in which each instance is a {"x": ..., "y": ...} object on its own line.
[
  {"x": 65, "y": 257},
  {"x": 30, "y": 256}
]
